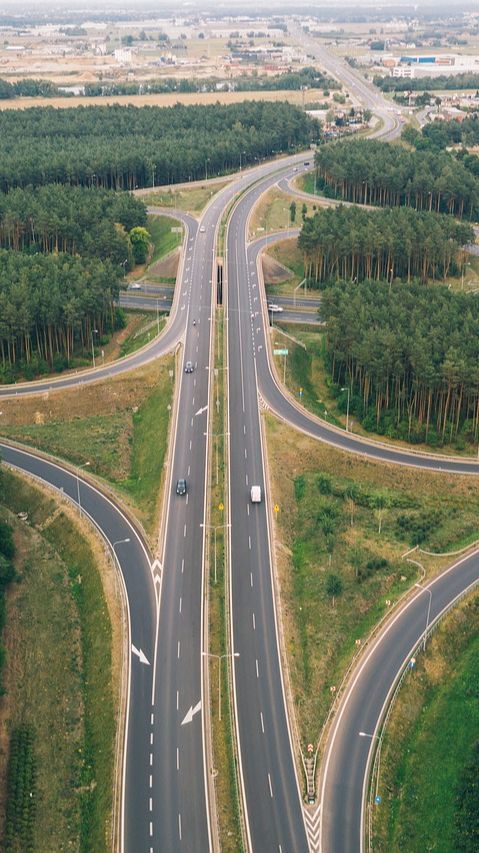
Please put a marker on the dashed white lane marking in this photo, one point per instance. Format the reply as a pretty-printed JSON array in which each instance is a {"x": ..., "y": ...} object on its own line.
[
  {"x": 152, "y": 719},
  {"x": 187, "y": 497},
  {"x": 184, "y": 531},
  {"x": 270, "y": 785},
  {"x": 193, "y": 403},
  {"x": 251, "y": 579},
  {"x": 151, "y": 759},
  {"x": 151, "y": 781},
  {"x": 177, "y": 758},
  {"x": 249, "y": 542},
  {"x": 254, "y": 623},
  {"x": 245, "y": 453},
  {"x": 257, "y": 668},
  {"x": 179, "y": 826},
  {"x": 189, "y": 469},
  {"x": 262, "y": 721},
  {"x": 182, "y": 565},
  {"x": 180, "y": 604},
  {"x": 190, "y": 443},
  {"x": 178, "y": 649},
  {"x": 191, "y": 421},
  {"x": 246, "y": 478},
  {"x": 151, "y": 829},
  {"x": 150, "y": 804},
  {"x": 244, "y": 429},
  {"x": 151, "y": 738},
  {"x": 247, "y": 508}
]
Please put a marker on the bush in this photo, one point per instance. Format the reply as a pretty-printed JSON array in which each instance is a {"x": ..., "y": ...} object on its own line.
[
  {"x": 417, "y": 527},
  {"x": 299, "y": 487},
  {"x": 324, "y": 484}
]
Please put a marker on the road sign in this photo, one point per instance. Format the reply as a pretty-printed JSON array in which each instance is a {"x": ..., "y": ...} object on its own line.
[
  {"x": 310, "y": 747},
  {"x": 378, "y": 800},
  {"x": 221, "y": 506},
  {"x": 281, "y": 351},
  {"x": 300, "y": 392},
  {"x": 276, "y": 508}
]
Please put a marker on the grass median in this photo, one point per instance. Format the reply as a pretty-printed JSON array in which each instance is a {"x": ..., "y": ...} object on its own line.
[
  {"x": 343, "y": 525},
  {"x": 116, "y": 429}
]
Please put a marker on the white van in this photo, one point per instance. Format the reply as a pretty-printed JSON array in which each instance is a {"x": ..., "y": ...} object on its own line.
[{"x": 256, "y": 494}]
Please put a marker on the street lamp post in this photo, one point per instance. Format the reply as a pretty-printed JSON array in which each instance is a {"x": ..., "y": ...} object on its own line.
[
  {"x": 347, "y": 407},
  {"x": 120, "y": 542},
  {"x": 85, "y": 465},
  {"x": 241, "y": 153},
  {"x": 219, "y": 658},
  {"x": 426, "y": 589},
  {"x": 93, "y": 332},
  {"x": 380, "y": 739}
]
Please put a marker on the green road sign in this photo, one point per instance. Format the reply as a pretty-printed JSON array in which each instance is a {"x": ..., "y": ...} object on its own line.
[{"x": 281, "y": 351}]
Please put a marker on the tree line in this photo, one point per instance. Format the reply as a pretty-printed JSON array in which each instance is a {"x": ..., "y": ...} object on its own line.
[
  {"x": 87, "y": 221},
  {"x": 440, "y": 134},
  {"x": 419, "y": 84},
  {"x": 49, "y": 305},
  {"x": 7, "y": 574},
  {"x": 410, "y": 356},
  {"x": 354, "y": 243},
  {"x": 371, "y": 172},
  {"x": 120, "y": 147}
]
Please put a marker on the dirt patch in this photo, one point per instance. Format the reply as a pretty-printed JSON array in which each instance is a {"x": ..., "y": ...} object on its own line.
[
  {"x": 166, "y": 267},
  {"x": 274, "y": 272}
]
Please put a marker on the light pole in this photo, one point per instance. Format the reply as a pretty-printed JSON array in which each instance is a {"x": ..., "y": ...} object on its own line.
[
  {"x": 380, "y": 739},
  {"x": 215, "y": 527},
  {"x": 120, "y": 542},
  {"x": 93, "y": 332},
  {"x": 219, "y": 658},
  {"x": 241, "y": 153},
  {"x": 85, "y": 465},
  {"x": 426, "y": 589},
  {"x": 347, "y": 407}
]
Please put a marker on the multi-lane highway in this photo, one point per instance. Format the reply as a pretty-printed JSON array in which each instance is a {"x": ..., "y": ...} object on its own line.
[{"x": 167, "y": 803}]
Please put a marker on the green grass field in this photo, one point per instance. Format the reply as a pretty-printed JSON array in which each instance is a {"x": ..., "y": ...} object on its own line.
[
  {"x": 430, "y": 740},
  {"x": 162, "y": 237},
  {"x": 58, "y": 623},
  {"x": 192, "y": 199}
]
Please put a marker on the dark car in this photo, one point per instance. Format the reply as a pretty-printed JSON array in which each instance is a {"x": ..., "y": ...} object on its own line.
[
  {"x": 189, "y": 367},
  {"x": 181, "y": 487}
]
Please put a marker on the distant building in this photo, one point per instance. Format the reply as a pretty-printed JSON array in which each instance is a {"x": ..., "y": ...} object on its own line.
[{"x": 123, "y": 56}]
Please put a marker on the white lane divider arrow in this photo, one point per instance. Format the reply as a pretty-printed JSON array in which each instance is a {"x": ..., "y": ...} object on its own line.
[
  {"x": 140, "y": 654},
  {"x": 200, "y": 411},
  {"x": 191, "y": 713}
]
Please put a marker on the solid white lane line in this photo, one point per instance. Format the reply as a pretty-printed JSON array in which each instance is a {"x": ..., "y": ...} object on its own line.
[
  {"x": 262, "y": 721},
  {"x": 254, "y": 623},
  {"x": 257, "y": 668},
  {"x": 270, "y": 785}
]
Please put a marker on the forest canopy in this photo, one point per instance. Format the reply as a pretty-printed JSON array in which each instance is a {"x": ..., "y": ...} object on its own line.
[
  {"x": 371, "y": 172},
  {"x": 354, "y": 243},
  {"x": 410, "y": 356},
  {"x": 121, "y": 147}
]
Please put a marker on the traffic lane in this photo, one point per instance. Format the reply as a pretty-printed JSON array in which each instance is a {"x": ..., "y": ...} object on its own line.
[
  {"x": 309, "y": 317},
  {"x": 134, "y": 563},
  {"x": 271, "y": 793},
  {"x": 361, "y": 710},
  {"x": 180, "y": 816},
  {"x": 143, "y": 303},
  {"x": 291, "y": 301}
]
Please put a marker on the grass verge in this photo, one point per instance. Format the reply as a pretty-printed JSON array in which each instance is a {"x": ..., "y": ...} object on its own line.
[
  {"x": 125, "y": 444},
  {"x": 429, "y": 742},
  {"x": 227, "y": 795},
  {"x": 60, "y": 677},
  {"x": 192, "y": 200},
  {"x": 163, "y": 238},
  {"x": 343, "y": 525},
  {"x": 273, "y": 212}
]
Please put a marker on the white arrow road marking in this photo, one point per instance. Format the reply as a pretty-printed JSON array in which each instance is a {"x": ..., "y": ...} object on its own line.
[
  {"x": 140, "y": 654},
  {"x": 200, "y": 411},
  {"x": 191, "y": 713}
]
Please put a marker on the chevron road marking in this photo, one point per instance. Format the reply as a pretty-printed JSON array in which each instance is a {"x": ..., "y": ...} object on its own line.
[{"x": 312, "y": 822}]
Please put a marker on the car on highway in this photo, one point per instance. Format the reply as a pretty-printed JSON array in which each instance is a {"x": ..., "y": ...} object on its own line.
[
  {"x": 275, "y": 309},
  {"x": 181, "y": 487},
  {"x": 189, "y": 367},
  {"x": 202, "y": 229},
  {"x": 134, "y": 286}
]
